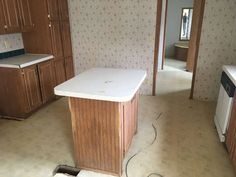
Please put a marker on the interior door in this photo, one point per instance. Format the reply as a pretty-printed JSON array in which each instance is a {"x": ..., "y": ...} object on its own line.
[
  {"x": 2, "y": 19},
  {"x": 10, "y": 9},
  {"x": 25, "y": 14},
  {"x": 47, "y": 80},
  {"x": 32, "y": 86}
]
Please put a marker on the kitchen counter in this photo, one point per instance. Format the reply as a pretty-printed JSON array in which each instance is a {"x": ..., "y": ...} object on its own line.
[
  {"x": 231, "y": 72},
  {"x": 25, "y": 60},
  {"x": 108, "y": 84},
  {"x": 104, "y": 112}
]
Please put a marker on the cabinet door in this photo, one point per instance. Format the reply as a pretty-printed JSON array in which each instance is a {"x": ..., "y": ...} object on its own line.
[
  {"x": 2, "y": 19},
  {"x": 25, "y": 15},
  {"x": 47, "y": 80},
  {"x": 69, "y": 67},
  {"x": 53, "y": 10},
  {"x": 13, "y": 98},
  {"x": 32, "y": 86},
  {"x": 231, "y": 132},
  {"x": 66, "y": 38},
  {"x": 59, "y": 71},
  {"x": 63, "y": 10},
  {"x": 11, "y": 16},
  {"x": 57, "y": 48}
]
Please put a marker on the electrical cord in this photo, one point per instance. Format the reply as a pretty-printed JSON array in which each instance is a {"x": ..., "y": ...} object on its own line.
[{"x": 132, "y": 157}]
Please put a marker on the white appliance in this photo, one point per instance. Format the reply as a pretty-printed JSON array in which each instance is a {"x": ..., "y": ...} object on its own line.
[{"x": 224, "y": 106}]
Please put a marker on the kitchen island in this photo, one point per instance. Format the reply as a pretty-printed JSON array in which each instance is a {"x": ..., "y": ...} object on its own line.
[{"x": 104, "y": 108}]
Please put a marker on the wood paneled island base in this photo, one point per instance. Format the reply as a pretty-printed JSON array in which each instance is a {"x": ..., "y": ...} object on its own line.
[
  {"x": 104, "y": 109},
  {"x": 102, "y": 132}
]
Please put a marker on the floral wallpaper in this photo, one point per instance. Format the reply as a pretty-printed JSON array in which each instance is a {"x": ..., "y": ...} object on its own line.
[
  {"x": 114, "y": 33},
  {"x": 13, "y": 42},
  {"x": 217, "y": 47}
]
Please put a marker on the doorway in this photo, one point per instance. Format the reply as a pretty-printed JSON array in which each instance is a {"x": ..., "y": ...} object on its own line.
[{"x": 178, "y": 44}]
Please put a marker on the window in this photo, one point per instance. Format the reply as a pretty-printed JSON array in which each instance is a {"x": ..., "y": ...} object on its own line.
[{"x": 186, "y": 23}]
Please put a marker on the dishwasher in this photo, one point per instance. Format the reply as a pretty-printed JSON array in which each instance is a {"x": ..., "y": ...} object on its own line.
[{"x": 224, "y": 106}]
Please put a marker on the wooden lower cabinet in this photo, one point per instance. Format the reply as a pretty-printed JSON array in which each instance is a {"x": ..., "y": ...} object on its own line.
[
  {"x": 47, "y": 80},
  {"x": 13, "y": 98},
  {"x": 25, "y": 90},
  {"x": 102, "y": 133},
  {"x": 130, "y": 113},
  {"x": 69, "y": 68},
  {"x": 231, "y": 134},
  {"x": 60, "y": 73},
  {"x": 31, "y": 79}
]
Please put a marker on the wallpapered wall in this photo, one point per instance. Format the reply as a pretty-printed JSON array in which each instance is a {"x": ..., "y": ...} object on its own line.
[
  {"x": 114, "y": 33},
  {"x": 217, "y": 47},
  {"x": 14, "y": 42}
]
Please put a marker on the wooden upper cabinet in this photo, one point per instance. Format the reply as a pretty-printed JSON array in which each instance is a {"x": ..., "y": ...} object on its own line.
[
  {"x": 17, "y": 16},
  {"x": 2, "y": 19},
  {"x": 32, "y": 86},
  {"x": 10, "y": 9},
  {"x": 63, "y": 10},
  {"x": 25, "y": 15},
  {"x": 53, "y": 10},
  {"x": 57, "y": 49},
  {"x": 66, "y": 38},
  {"x": 47, "y": 80}
]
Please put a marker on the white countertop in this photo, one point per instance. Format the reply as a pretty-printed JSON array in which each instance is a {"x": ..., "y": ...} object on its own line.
[
  {"x": 118, "y": 85},
  {"x": 231, "y": 72},
  {"x": 24, "y": 60}
]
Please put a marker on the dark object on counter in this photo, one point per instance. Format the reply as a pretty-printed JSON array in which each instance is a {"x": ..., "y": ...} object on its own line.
[{"x": 12, "y": 53}]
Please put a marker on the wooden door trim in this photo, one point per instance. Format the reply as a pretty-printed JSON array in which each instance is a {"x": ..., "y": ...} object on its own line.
[
  {"x": 203, "y": 2},
  {"x": 157, "y": 44},
  {"x": 164, "y": 37}
]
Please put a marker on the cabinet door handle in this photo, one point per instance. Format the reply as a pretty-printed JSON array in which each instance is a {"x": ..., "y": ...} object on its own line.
[
  {"x": 5, "y": 26},
  {"x": 49, "y": 16},
  {"x": 50, "y": 25}
]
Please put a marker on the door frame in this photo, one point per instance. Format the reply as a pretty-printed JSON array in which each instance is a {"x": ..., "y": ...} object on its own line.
[{"x": 157, "y": 42}]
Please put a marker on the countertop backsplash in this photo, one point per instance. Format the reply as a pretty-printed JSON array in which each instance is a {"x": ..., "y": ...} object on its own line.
[{"x": 10, "y": 42}]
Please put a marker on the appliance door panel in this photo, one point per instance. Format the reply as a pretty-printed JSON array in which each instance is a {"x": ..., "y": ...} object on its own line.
[{"x": 223, "y": 109}]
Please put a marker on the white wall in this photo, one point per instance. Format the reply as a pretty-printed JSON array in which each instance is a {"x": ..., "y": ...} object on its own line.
[
  {"x": 9, "y": 42},
  {"x": 217, "y": 47},
  {"x": 118, "y": 34},
  {"x": 173, "y": 23}
]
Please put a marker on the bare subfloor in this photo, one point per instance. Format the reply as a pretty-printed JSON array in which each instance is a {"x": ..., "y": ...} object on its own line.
[{"x": 176, "y": 138}]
